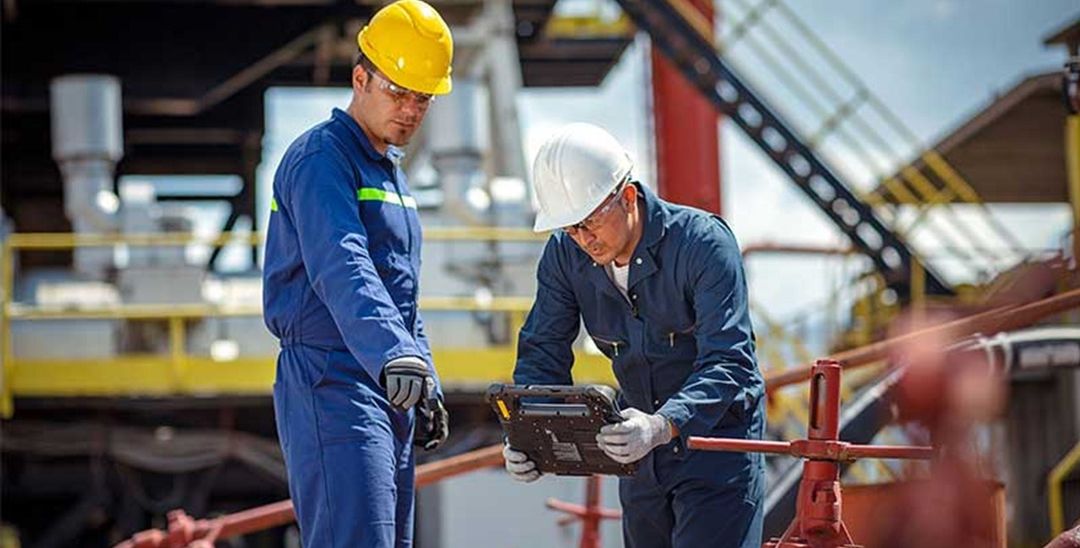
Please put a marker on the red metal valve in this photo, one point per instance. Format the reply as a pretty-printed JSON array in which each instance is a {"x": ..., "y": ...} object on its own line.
[{"x": 818, "y": 519}]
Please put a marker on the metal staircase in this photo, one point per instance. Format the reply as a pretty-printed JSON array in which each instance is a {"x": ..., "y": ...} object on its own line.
[
  {"x": 908, "y": 203},
  {"x": 914, "y": 190},
  {"x": 681, "y": 34}
]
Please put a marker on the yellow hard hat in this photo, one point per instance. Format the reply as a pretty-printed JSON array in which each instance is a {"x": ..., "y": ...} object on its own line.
[{"x": 410, "y": 43}]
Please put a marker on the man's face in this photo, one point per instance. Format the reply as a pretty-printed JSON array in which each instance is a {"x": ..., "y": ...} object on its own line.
[
  {"x": 393, "y": 113},
  {"x": 607, "y": 231}
]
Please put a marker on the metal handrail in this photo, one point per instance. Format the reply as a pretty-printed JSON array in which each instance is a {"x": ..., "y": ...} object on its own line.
[
  {"x": 176, "y": 315},
  {"x": 955, "y": 186},
  {"x": 1054, "y": 499},
  {"x": 67, "y": 240}
]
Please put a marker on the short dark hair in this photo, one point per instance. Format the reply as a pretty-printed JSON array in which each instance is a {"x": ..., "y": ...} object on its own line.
[{"x": 363, "y": 61}]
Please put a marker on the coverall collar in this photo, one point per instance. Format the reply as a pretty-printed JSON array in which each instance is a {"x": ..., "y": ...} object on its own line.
[
  {"x": 393, "y": 153},
  {"x": 655, "y": 215}
]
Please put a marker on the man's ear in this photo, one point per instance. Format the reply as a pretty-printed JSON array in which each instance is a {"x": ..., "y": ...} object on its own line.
[{"x": 359, "y": 78}]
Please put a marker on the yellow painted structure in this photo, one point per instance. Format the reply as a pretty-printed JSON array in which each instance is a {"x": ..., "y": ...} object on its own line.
[{"x": 178, "y": 373}]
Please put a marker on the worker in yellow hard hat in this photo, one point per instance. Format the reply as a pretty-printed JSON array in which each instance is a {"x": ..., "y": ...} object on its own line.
[{"x": 356, "y": 387}]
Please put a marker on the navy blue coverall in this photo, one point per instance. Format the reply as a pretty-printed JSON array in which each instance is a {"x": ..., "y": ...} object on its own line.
[
  {"x": 339, "y": 291},
  {"x": 681, "y": 346}
]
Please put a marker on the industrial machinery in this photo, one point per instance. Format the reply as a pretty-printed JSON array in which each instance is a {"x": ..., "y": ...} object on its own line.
[{"x": 136, "y": 369}]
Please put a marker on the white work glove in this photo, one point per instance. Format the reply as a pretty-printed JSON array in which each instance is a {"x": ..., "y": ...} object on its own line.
[
  {"x": 406, "y": 381},
  {"x": 632, "y": 439},
  {"x": 519, "y": 466}
]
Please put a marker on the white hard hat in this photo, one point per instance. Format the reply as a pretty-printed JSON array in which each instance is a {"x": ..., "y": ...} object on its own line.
[{"x": 575, "y": 170}]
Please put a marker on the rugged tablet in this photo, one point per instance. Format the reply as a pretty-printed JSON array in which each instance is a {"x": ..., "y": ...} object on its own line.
[{"x": 556, "y": 426}]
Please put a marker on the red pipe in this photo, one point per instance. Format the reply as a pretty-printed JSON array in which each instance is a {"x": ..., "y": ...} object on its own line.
[
  {"x": 999, "y": 319},
  {"x": 590, "y": 515},
  {"x": 187, "y": 532},
  {"x": 740, "y": 445},
  {"x": 818, "y": 519}
]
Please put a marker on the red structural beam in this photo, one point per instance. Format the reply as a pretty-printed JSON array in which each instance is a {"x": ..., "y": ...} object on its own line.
[
  {"x": 995, "y": 320},
  {"x": 687, "y": 132}
]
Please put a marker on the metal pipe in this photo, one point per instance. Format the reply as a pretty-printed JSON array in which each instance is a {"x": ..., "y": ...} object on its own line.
[
  {"x": 65, "y": 240},
  {"x": 992, "y": 321},
  {"x": 200, "y": 311},
  {"x": 742, "y": 446},
  {"x": 434, "y": 472},
  {"x": 1072, "y": 168},
  {"x": 769, "y": 247},
  {"x": 889, "y": 452},
  {"x": 87, "y": 141},
  {"x": 199, "y": 532}
]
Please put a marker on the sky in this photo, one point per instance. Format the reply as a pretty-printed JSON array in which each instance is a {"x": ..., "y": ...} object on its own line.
[{"x": 934, "y": 63}]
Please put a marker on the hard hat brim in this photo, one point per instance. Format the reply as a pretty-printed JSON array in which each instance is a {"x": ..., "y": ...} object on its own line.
[{"x": 545, "y": 223}]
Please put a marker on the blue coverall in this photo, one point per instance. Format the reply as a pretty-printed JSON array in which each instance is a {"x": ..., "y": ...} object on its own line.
[
  {"x": 681, "y": 346},
  {"x": 339, "y": 291}
]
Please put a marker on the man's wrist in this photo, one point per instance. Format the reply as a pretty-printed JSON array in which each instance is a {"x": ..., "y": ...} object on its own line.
[{"x": 672, "y": 428}]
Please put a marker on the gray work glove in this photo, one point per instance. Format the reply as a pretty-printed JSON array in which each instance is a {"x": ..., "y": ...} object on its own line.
[
  {"x": 630, "y": 440},
  {"x": 406, "y": 383},
  {"x": 432, "y": 420},
  {"x": 519, "y": 466}
]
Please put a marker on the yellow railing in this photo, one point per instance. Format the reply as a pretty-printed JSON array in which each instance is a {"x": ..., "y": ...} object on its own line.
[
  {"x": 184, "y": 374},
  {"x": 1053, "y": 489}
]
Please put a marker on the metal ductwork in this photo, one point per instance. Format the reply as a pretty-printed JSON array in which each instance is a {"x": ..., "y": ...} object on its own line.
[{"x": 87, "y": 142}]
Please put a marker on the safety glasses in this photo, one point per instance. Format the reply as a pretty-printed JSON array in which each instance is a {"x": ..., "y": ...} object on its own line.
[
  {"x": 596, "y": 219},
  {"x": 401, "y": 95}
]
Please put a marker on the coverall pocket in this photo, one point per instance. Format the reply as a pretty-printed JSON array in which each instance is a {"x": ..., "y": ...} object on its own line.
[
  {"x": 347, "y": 404},
  {"x": 672, "y": 343},
  {"x": 339, "y": 367},
  {"x": 609, "y": 346}
]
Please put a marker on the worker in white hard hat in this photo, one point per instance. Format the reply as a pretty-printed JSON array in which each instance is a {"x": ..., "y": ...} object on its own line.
[
  {"x": 356, "y": 387},
  {"x": 662, "y": 292}
]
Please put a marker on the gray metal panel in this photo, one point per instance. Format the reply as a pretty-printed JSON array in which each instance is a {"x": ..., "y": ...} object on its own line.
[{"x": 1042, "y": 428}]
